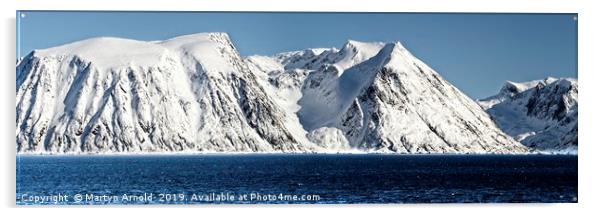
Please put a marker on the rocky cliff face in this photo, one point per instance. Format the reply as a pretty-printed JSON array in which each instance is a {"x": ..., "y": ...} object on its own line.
[
  {"x": 191, "y": 93},
  {"x": 541, "y": 114},
  {"x": 378, "y": 97}
]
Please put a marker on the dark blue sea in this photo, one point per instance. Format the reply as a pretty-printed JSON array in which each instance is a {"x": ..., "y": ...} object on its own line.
[{"x": 296, "y": 179}]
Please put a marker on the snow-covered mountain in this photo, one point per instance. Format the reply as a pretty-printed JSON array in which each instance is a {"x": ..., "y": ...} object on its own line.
[
  {"x": 541, "y": 114},
  {"x": 379, "y": 97},
  {"x": 195, "y": 93},
  {"x": 190, "y": 93}
]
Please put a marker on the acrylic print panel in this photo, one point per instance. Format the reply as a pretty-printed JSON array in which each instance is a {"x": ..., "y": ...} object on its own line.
[{"x": 295, "y": 108}]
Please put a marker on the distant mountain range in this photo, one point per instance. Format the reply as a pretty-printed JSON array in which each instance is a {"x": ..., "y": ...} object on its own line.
[
  {"x": 195, "y": 93},
  {"x": 541, "y": 114}
]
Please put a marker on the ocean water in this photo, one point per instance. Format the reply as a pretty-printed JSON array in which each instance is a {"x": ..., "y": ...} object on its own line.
[{"x": 295, "y": 179}]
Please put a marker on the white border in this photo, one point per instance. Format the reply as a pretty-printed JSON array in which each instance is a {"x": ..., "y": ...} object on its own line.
[{"x": 589, "y": 77}]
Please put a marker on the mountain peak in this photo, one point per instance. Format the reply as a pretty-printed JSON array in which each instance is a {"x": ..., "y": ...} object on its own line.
[
  {"x": 392, "y": 47},
  {"x": 549, "y": 80},
  {"x": 359, "y": 46},
  {"x": 199, "y": 95},
  {"x": 101, "y": 51},
  {"x": 541, "y": 114},
  {"x": 399, "y": 45},
  {"x": 511, "y": 88},
  {"x": 199, "y": 38}
]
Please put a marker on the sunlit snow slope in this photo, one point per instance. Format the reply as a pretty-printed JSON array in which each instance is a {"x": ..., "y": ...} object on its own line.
[
  {"x": 379, "y": 97},
  {"x": 195, "y": 93},
  {"x": 190, "y": 93},
  {"x": 541, "y": 114}
]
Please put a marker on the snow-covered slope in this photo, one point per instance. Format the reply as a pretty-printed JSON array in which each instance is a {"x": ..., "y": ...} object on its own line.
[
  {"x": 378, "y": 97},
  {"x": 541, "y": 114},
  {"x": 195, "y": 93},
  {"x": 509, "y": 89},
  {"x": 190, "y": 93}
]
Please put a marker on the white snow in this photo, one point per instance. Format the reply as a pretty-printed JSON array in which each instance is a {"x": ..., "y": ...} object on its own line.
[
  {"x": 190, "y": 93},
  {"x": 195, "y": 93},
  {"x": 206, "y": 48},
  {"x": 541, "y": 114},
  {"x": 335, "y": 98},
  {"x": 510, "y": 89},
  {"x": 108, "y": 52},
  {"x": 355, "y": 52},
  {"x": 332, "y": 139}
]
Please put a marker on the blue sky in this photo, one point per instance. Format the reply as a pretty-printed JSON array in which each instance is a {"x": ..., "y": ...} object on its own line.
[{"x": 475, "y": 52}]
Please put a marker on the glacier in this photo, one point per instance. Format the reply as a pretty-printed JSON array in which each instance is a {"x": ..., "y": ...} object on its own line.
[{"x": 196, "y": 93}]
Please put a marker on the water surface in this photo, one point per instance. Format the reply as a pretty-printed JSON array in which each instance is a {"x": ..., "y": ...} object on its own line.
[{"x": 312, "y": 178}]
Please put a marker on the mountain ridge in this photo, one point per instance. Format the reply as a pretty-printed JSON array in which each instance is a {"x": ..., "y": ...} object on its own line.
[
  {"x": 195, "y": 93},
  {"x": 148, "y": 107},
  {"x": 541, "y": 114}
]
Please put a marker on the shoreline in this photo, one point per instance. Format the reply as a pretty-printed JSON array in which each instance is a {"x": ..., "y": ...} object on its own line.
[{"x": 284, "y": 154}]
